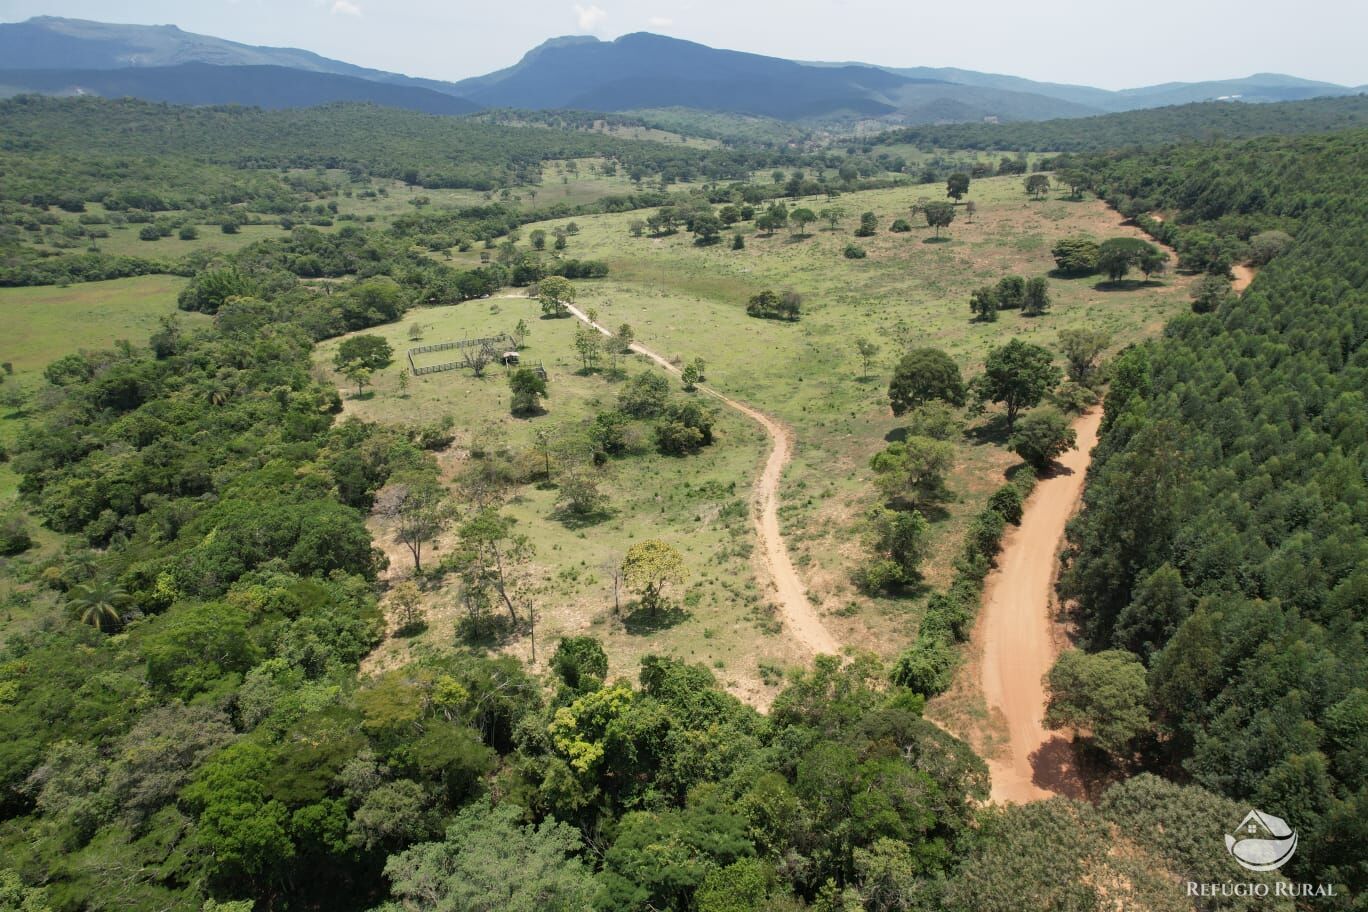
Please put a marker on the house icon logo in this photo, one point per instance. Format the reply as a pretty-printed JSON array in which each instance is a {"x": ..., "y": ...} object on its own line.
[{"x": 1262, "y": 842}]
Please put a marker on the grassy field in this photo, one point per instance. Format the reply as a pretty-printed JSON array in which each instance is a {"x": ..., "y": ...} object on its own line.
[
  {"x": 690, "y": 302},
  {"x": 687, "y": 302},
  {"x": 697, "y": 503}
]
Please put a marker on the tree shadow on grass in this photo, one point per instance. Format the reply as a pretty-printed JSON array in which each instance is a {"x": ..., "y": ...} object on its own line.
[
  {"x": 1126, "y": 284},
  {"x": 574, "y": 521},
  {"x": 489, "y": 631},
  {"x": 641, "y": 621},
  {"x": 992, "y": 431},
  {"x": 937, "y": 240},
  {"x": 410, "y": 630}
]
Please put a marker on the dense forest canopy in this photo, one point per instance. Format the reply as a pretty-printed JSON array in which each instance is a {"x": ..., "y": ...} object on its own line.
[
  {"x": 1200, "y": 122},
  {"x": 1224, "y": 537},
  {"x": 428, "y": 150}
]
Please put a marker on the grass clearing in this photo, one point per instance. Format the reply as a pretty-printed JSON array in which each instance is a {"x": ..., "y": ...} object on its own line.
[
  {"x": 697, "y": 503},
  {"x": 688, "y": 301}
]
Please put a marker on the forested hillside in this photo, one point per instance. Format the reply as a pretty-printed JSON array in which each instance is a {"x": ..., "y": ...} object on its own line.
[
  {"x": 429, "y": 150},
  {"x": 1224, "y": 537},
  {"x": 1199, "y": 122}
]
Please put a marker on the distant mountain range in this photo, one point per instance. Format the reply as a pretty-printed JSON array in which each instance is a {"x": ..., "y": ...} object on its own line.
[
  {"x": 261, "y": 85},
  {"x": 66, "y": 56}
]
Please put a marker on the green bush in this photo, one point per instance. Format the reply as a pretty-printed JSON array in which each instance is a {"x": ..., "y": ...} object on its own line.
[
  {"x": 1006, "y": 502},
  {"x": 927, "y": 667}
]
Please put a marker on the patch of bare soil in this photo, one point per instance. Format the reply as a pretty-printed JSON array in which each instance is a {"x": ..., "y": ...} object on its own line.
[{"x": 1243, "y": 276}]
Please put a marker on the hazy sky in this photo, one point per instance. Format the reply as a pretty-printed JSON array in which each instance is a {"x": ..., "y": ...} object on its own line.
[{"x": 1097, "y": 42}]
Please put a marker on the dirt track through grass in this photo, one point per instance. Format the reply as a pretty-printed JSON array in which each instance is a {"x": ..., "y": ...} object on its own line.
[{"x": 800, "y": 618}]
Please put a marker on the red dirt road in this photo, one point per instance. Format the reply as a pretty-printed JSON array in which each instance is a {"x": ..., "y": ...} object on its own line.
[{"x": 1021, "y": 639}]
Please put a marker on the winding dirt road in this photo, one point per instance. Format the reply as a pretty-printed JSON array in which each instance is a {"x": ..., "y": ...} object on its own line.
[
  {"x": 800, "y": 618},
  {"x": 1020, "y": 638}
]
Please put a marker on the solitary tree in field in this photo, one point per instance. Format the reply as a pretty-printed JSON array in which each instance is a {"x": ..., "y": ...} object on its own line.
[
  {"x": 833, "y": 215},
  {"x": 359, "y": 374},
  {"x": 690, "y": 377},
  {"x": 649, "y": 567},
  {"x": 556, "y": 294},
  {"x": 529, "y": 388},
  {"x": 867, "y": 350},
  {"x": 407, "y": 600},
  {"x": 1152, "y": 262},
  {"x": 589, "y": 346},
  {"x": 1037, "y": 185},
  {"x": 1078, "y": 181},
  {"x": 801, "y": 218},
  {"x": 1075, "y": 255},
  {"x": 957, "y": 185},
  {"x": 369, "y": 351},
  {"x": 1117, "y": 256},
  {"x": 418, "y": 507},
  {"x": 538, "y": 238},
  {"x": 498, "y": 553},
  {"x": 869, "y": 223},
  {"x": 939, "y": 215},
  {"x": 1018, "y": 375},
  {"x": 707, "y": 228},
  {"x": 924, "y": 374}
]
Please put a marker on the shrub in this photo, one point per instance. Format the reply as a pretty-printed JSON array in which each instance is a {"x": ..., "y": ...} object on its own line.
[
  {"x": 927, "y": 667},
  {"x": 14, "y": 535},
  {"x": 854, "y": 252},
  {"x": 1076, "y": 255},
  {"x": 1007, "y": 503},
  {"x": 1041, "y": 436}
]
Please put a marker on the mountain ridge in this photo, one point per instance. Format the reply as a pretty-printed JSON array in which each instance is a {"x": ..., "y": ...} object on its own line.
[{"x": 633, "y": 71}]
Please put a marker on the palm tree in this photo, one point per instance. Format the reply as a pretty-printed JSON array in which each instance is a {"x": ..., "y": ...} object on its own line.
[{"x": 98, "y": 603}]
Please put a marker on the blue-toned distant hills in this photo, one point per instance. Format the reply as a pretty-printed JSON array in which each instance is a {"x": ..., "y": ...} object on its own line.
[{"x": 52, "y": 55}]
